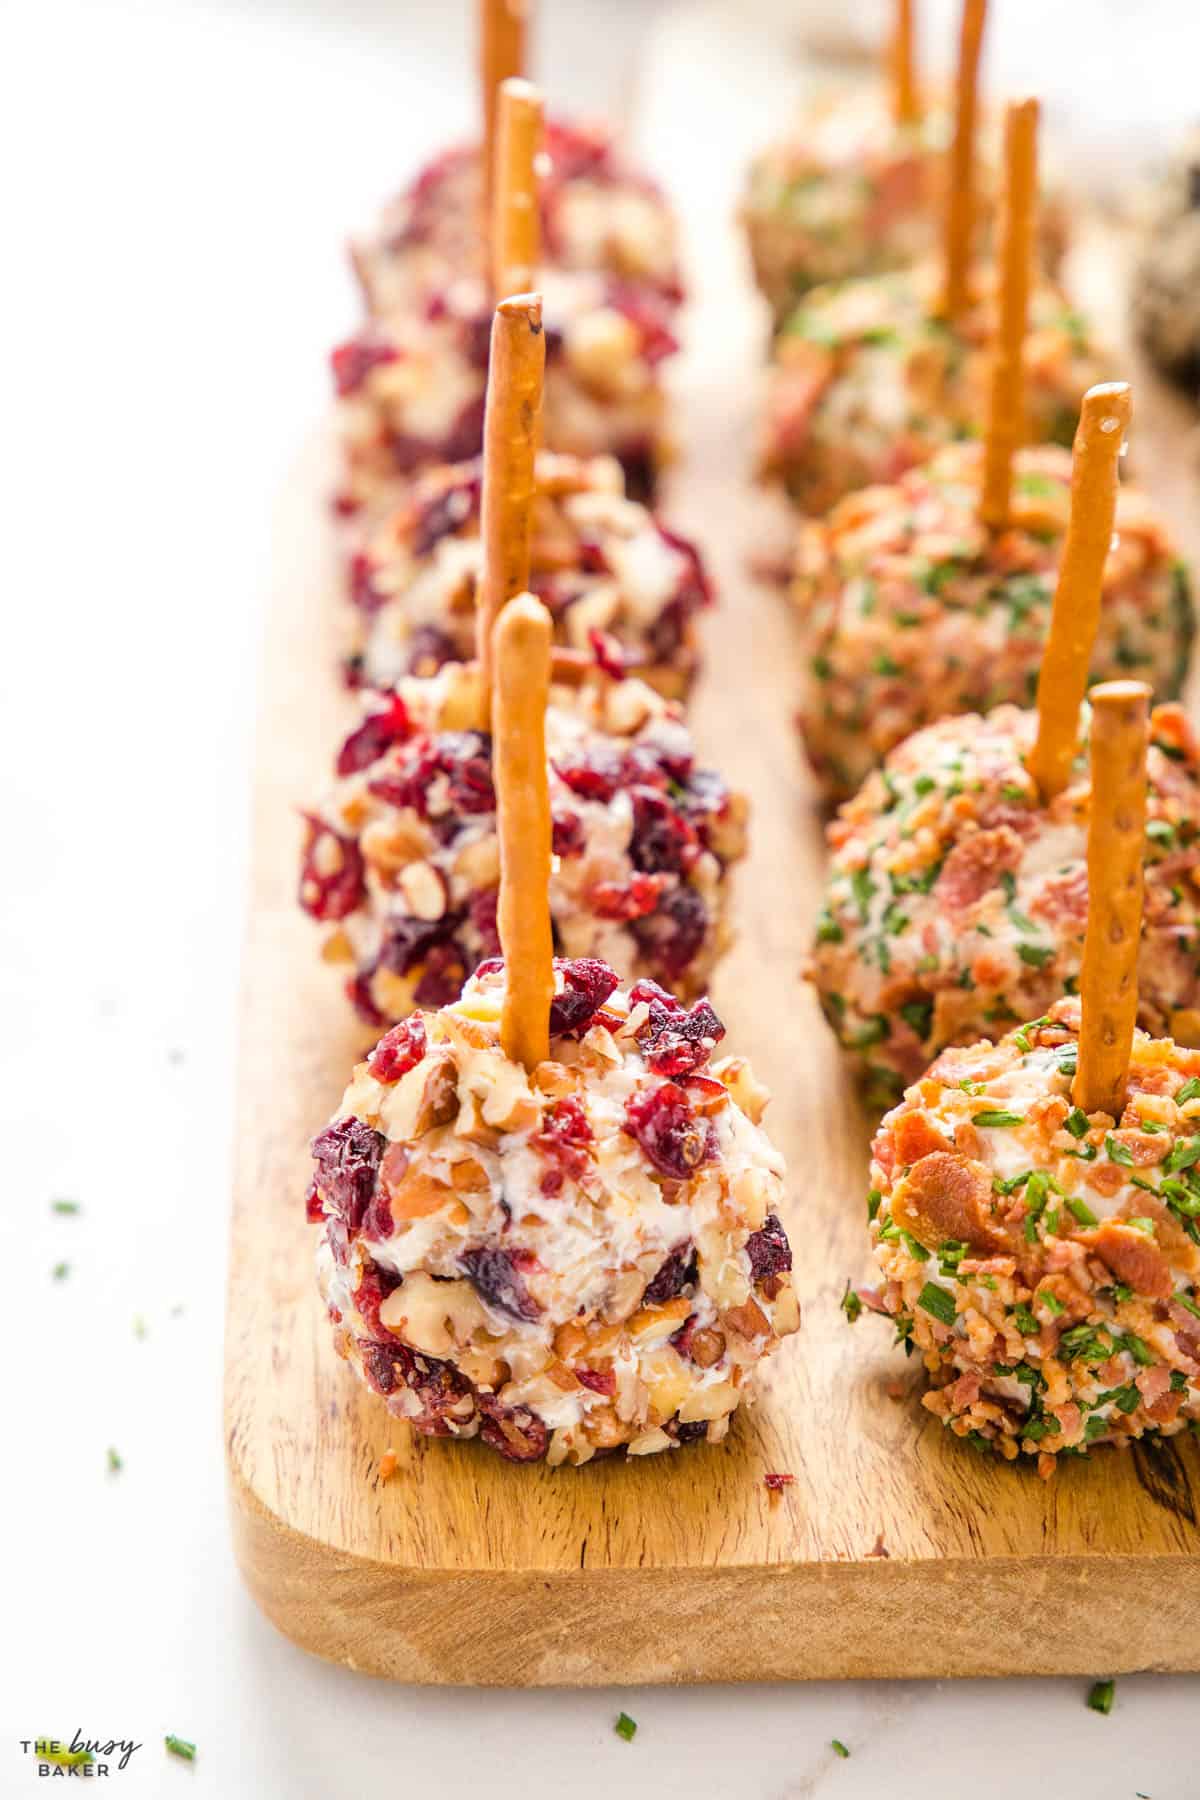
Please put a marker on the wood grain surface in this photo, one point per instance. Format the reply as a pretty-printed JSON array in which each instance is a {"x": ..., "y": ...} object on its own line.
[{"x": 897, "y": 1550}]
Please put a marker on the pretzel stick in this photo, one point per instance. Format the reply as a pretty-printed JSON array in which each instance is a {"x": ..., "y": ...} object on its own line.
[
  {"x": 510, "y": 433},
  {"x": 1075, "y": 614},
  {"x": 501, "y": 55},
  {"x": 522, "y": 654},
  {"x": 1116, "y": 847},
  {"x": 1006, "y": 423},
  {"x": 515, "y": 232},
  {"x": 906, "y": 108},
  {"x": 959, "y": 222}
]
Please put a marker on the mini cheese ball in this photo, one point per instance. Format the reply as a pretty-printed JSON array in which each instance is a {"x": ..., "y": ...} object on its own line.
[
  {"x": 850, "y": 191},
  {"x": 1044, "y": 1261},
  {"x": 600, "y": 563},
  {"x": 411, "y": 384},
  {"x": 956, "y": 901},
  {"x": 597, "y": 213},
  {"x": 401, "y": 859},
  {"x": 867, "y": 382},
  {"x": 911, "y": 609},
  {"x": 580, "y": 1259},
  {"x": 1165, "y": 290}
]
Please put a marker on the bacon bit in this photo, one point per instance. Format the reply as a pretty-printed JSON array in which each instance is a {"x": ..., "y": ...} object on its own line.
[
  {"x": 988, "y": 1265},
  {"x": 965, "y": 1391},
  {"x": 915, "y": 1136},
  {"x": 1063, "y": 899},
  {"x": 388, "y": 1463},
  {"x": 880, "y": 1548},
  {"x": 1070, "y": 1420},
  {"x": 948, "y": 1196},
  {"x": 1046, "y": 1465},
  {"x": 1105, "y": 1177},
  {"x": 1153, "y": 1383},
  {"x": 1135, "y": 1259},
  {"x": 975, "y": 865}
]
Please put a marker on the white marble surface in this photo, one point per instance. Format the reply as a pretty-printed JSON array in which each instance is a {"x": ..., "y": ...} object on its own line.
[{"x": 180, "y": 175}]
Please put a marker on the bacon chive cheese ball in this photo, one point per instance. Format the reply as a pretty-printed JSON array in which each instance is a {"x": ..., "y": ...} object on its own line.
[
  {"x": 580, "y": 1259},
  {"x": 956, "y": 901},
  {"x": 411, "y": 385},
  {"x": 402, "y": 858},
  {"x": 596, "y": 214},
  {"x": 852, "y": 192},
  {"x": 600, "y": 563},
  {"x": 1165, "y": 290},
  {"x": 1045, "y": 1262},
  {"x": 913, "y": 610},
  {"x": 867, "y": 382}
]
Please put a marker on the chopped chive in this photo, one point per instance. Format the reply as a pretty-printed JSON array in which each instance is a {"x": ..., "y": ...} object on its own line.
[
  {"x": 625, "y": 1727},
  {"x": 873, "y": 1200},
  {"x": 180, "y": 1747},
  {"x": 837, "y": 1745},
  {"x": 64, "y": 1206},
  {"x": 1138, "y": 1348},
  {"x": 1052, "y": 1303},
  {"x": 998, "y": 1119},
  {"x": 935, "y": 1300},
  {"x": 1189, "y": 1091},
  {"x": 61, "y": 1270},
  {"x": 851, "y": 1304},
  {"x": 114, "y": 1462},
  {"x": 1100, "y": 1696},
  {"x": 1118, "y": 1152},
  {"x": 1081, "y": 1210},
  {"x": 1183, "y": 1155},
  {"x": 1027, "y": 1325}
]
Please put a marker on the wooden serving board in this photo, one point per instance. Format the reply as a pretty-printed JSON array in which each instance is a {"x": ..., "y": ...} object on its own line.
[{"x": 896, "y": 1550}]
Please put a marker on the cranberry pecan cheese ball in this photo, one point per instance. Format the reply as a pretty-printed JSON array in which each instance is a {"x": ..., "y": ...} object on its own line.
[
  {"x": 597, "y": 213},
  {"x": 1165, "y": 290},
  {"x": 600, "y": 563},
  {"x": 580, "y": 1259},
  {"x": 410, "y": 385},
  {"x": 401, "y": 860},
  {"x": 1045, "y": 1261},
  {"x": 867, "y": 382},
  {"x": 851, "y": 191},
  {"x": 956, "y": 901},
  {"x": 912, "y": 609}
]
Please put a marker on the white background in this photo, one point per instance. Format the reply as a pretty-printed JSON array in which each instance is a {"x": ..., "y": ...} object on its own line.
[{"x": 179, "y": 178}]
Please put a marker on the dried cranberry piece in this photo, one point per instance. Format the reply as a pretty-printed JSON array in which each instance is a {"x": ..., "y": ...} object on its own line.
[
  {"x": 314, "y": 1206},
  {"x": 692, "y": 1431},
  {"x": 409, "y": 941},
  {"x": 463, "y": 757},
  {"x": 465, "y": 438},
  {"x": 482, "y": 915},
  {"x": 635, "y": 900},
  {"x": 352, "y": 671},
  {"x": 587, "y": 984},
  {"x": 445, "y": 514},
  {"x": 566, "y": 1132},
  {"x": 776, "y": 1482},
  {"x": 592, "y": 560},
  {"x": 570, "y": 838},
  {"x": 374, "y": 1285},
  {"x": 363, "y": 592},
  {"x": 377, "y": 733},
  {"x": 673, "y": 936},
  {"x": 496, "y": 1277},
  {"x": 695, "y": 590},
  {"x": 647, "y": 312},
  {"x": 442, "y": 977},
  {"x": 347, "y": 1154},
  {"x": 438, "y": 1385},
  {"x": 679, "y": 1271},
  {"x": 518, "y": 1434},
  {"x": 477, "y": 343},
  {"x": 675, "y": 1042},
  {"x": 768, "y": 1250},
  {"x": 353, "y": 361},
  {"x": 704, "y": 797},
  {"x": 663, "y": 839},
  {"x": 601, "y": 1381},
  {"x": 429, "y": 650},
  {"x": 608, "y": 654},
  {"x": 672, "y": 1137},
  {"x": 640, "y": 465},
  {"x": 358, "y": 992},
  {"x": 400, "y": 1051},
  {"x": 330, "y": 893},
  {"x": 597, "y": 777}
]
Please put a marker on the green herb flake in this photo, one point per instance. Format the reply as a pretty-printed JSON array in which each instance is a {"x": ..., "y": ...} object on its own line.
[
  {"x": 1183, "y": 1155},
  {"x": 997, "y": 1119},
  {"x": 65, "y": 1207},
  {"x": 851, "y": 1304},
  {"x": 1051, "y": 1302},
  {"x": 838, "y": 1747},
  {"x": 828, "y": 929},
  {"x": 61, "y": 1270},
  {"x": 625, "y": 1727},
  {"x": 180, "y": 1747},
  {"x": 1026, "y": 1324},
  {"x": 115, "y": 1465},
  {"x": 1035, "y": 955},
  {"x": 873, "y": 1201},
  {"x": 1100, "y": 1696},
  {"x": 862, "y": 887},
  {"x": 1118, "y": 1152},
  {"x": 1189, "y": 1091},
  {"x": 936, "y": 1301},
  {"x": 1081, "y": 1210}
]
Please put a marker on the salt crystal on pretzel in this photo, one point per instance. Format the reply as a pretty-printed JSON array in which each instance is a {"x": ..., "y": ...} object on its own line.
[
  {"x": 1103, "y": 422},
  {"x": 1007, "y": 426},
  {"x": 1108, "y": 983}
]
